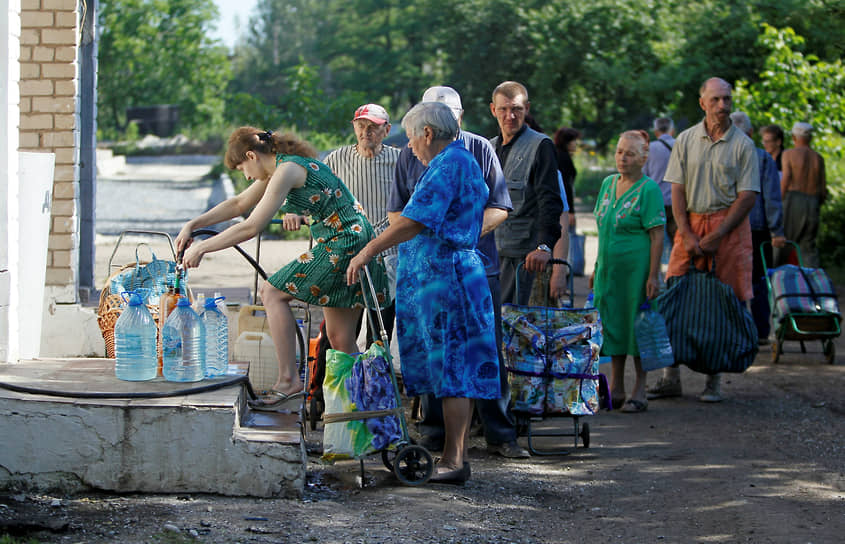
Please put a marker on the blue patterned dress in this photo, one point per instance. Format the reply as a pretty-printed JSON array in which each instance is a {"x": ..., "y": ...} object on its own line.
[{"x": 444, "y": 311}]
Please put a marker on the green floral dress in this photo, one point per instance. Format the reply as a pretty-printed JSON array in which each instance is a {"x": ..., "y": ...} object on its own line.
[
  {"x": 340, "y": 230},
  {"x": 622, "y": 264}
]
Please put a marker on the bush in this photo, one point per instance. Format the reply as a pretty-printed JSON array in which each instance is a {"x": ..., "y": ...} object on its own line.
[
  {"x": 831, "y": 227},
  {"x": 588, "y": 183}
]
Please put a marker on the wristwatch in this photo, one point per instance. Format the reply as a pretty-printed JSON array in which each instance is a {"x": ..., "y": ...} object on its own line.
[{"x": 544, "y": 247}]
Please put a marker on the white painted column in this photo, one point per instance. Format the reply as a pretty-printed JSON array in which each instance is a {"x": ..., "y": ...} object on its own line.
[{"x": 10, "y": 26}]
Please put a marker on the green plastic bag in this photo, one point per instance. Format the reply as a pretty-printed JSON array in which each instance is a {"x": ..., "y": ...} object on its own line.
[{"x": 361, "y": 406}]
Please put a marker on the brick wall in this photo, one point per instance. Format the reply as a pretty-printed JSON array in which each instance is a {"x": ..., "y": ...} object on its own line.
[{"x": 49, "y": 120}]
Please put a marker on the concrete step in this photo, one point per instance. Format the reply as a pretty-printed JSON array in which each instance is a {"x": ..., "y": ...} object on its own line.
[{"x": 71, "y": 426}]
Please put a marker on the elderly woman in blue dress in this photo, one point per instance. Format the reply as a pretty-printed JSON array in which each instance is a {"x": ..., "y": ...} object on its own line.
[{"x": 444, "y": 311}]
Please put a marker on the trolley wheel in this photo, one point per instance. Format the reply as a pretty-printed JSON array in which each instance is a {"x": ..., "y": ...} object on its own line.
[
  {"x": 388, "y": 457},
  {"x": 585, "y": 435},
  {"x": 829, "y": 351},
  {"x": 413, "y": 465},
  {"x": 315, "y": 411},
  {"x": 777, "y": 349}
]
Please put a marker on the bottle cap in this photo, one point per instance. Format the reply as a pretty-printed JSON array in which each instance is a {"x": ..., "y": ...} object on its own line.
[
  {"x": 135, "y": 298},
  {"x": 183, "y": 301},
  {"x": 212, "y": 302}
]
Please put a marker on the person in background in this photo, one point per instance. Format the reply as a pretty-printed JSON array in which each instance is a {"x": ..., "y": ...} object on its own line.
[
  {"x": 715, "y": 177},
  {"x": 286, "y": 176},
  {"x": 366, "y": 168},
  {"x": 444, "y": 310},
  {"x": 532, "y": 229},
  {"x": 771, "y": 136},
  {"x": 804, "y": 189},
  {"x": 499, "y": 423},
  {"x": 630, "y": 218},
  {"x": 566, "y": 143},
  {"x": 766, "y": 218},
  {"x": 659, "y": 151}
]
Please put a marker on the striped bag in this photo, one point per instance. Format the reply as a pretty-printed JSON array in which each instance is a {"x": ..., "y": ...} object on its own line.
[
  {"x": 802, "y": 290},
  {"x": 710, "y": 330}
]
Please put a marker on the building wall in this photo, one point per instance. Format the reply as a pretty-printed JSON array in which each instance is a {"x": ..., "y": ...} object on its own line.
[{"x": 49, "y": 123}]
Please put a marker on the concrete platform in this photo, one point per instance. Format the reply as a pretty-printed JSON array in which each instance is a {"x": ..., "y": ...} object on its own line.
[{"x": 70, "y": 426}]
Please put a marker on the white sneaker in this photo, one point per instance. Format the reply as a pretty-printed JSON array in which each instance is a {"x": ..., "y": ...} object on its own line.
[{"x": 713, "y": 390}]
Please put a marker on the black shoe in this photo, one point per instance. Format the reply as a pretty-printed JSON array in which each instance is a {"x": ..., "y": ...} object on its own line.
[{"x": 458, "y": 476}]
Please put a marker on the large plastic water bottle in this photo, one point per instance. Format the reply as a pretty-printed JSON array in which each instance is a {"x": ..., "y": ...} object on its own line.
[
  {"x": 183, "y": 344},
  {"x": 216, "y": 338},
  {"x": 652, "y": 339},
  {"x": 135, "y": 357}
]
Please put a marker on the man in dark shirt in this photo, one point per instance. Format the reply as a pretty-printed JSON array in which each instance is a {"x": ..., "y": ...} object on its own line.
[{"x": 528, "y": 160}]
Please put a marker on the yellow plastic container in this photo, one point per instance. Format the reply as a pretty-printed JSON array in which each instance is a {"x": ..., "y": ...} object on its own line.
[{"x": 255, "y": 345}]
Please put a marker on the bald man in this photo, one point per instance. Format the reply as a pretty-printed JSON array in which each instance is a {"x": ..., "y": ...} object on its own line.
[{"x": 715, "y": 181}]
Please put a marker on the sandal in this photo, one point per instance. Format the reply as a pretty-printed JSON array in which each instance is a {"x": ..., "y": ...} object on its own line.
[
  {"x": 632, "y": 406},
  {"x": 274, "y": 400}
]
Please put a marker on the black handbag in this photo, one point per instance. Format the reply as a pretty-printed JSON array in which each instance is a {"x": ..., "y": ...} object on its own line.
[{"x": 710, "y": 330}]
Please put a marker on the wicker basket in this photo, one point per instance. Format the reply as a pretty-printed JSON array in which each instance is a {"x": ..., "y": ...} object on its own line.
[{"x": 110, "y": 309}]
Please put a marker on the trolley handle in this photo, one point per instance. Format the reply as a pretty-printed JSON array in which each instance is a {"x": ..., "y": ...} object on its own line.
[
  {"x": 569, "y": 279},
  {"x": 145, "y": 232}
]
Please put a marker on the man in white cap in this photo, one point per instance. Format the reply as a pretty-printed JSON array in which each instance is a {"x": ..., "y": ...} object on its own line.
[
  {"x": 804, "y": 189},
  {"x": 499, "y": 424},
  {"x": 367, "y": 170}
]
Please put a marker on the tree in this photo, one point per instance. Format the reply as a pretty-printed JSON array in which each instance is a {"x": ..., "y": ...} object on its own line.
[
  {"x": 794, "y": 87},
  {"x": 160, "y": 52}
]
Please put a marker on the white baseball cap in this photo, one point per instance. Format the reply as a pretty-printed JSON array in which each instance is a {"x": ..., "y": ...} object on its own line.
[{"x": 445, "y": 95}]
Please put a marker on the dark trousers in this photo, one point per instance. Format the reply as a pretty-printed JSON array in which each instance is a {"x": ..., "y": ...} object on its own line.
[
  {"x": 498, "y": 422},
  {"x": 800, "y": 225},
  {"x": 760, "y": 303},
  {"x": 507, "y": 277},
  {"x": 388, "y": 316}
]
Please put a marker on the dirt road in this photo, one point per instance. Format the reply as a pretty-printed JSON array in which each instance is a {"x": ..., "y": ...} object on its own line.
[{"x": 767, "y": 465}]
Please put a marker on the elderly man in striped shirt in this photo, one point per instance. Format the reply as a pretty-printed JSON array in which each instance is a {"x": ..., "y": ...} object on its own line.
[{"x": 367, "y": 169}]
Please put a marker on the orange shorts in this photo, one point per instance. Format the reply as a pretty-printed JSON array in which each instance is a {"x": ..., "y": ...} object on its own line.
[{"x": 733, "y": 258}]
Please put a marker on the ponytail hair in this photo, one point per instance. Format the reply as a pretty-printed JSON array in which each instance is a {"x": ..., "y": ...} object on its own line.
[{"x": 267, "y": 142}]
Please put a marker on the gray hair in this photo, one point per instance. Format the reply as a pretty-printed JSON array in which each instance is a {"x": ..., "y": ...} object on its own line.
[
  {"x": 663, "y": 125},
  {"x": 435, "y": 115},
  {"x": 802, "y": 130},
  {"x": 741, "y": 121}
]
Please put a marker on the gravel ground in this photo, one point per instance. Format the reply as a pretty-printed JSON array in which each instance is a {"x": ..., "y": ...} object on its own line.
[{"x": 767, "y": 465}]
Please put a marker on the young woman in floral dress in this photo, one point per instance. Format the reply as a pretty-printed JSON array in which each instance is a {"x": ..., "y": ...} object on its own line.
[{"x": 286, "y": 176}]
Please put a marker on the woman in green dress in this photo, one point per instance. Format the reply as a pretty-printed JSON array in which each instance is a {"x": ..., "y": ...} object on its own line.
[
  {"x": 630, "y": 218},
  {"x": 286, "y": 176}
]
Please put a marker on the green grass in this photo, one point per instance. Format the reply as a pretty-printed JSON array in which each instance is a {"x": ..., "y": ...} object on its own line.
[{"x": 6, "y": 539}]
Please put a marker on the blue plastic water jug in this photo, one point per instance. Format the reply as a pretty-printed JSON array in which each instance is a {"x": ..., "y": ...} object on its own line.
[
  {"x": 652, "y": 339},
  {"x": 216, "y": 338},
  {"x": 135, "y": 355},
  {"x": 183, "y": 344}
]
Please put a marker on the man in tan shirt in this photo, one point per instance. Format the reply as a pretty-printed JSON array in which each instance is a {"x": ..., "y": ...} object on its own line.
[
  {"x": 715, "y": 180},
  {"x": 804, "y": 189}
]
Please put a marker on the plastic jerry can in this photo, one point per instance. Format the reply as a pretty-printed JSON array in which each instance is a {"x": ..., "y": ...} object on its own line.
[{"x": 255, "y": 345}]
